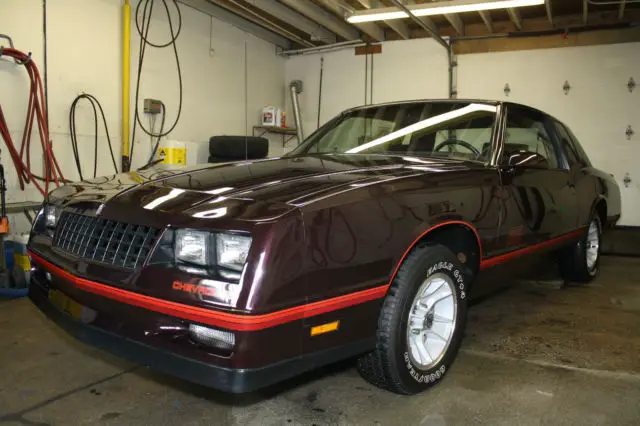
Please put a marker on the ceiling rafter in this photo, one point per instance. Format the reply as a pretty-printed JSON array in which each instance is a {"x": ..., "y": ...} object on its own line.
[
  {"x": 585, "y": 11},
  {"x": 456, "y": 22},
  {"x": 623, "y": 4},
  {"x": 324, "y": 18},
  {"x": 397, "y": 25},
  {"x": 340, "y": 8},
  {"x": 486, "y": 18},
  {"x": 514, "y": 15},
  {"x": 295, "y": 19},
  {"x": 433, "y": 33}
]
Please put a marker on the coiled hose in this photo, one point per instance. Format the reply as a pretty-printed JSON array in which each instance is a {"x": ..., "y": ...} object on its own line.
[{"x": 36, "y": 111}]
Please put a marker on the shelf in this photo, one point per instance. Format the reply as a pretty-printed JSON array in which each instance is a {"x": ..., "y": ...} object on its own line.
[{"x": 284, "y": 131}]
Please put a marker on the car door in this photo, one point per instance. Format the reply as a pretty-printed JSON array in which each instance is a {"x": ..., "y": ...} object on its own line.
[
  {"x": 576, "y": 162},
  {"x": 540, "y": 200}
]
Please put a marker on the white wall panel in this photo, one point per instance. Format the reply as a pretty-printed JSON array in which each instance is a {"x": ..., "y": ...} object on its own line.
[
  {"x": 306, "y": 69},
  {"x": 598, "y": 108},
  {"x": 411, "y": 69}
]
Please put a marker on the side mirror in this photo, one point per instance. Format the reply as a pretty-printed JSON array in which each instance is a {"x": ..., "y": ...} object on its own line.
[{"x": 527, "y": 159}]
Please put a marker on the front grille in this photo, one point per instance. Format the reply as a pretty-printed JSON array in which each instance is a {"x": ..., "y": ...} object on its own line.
[{"x": 105, "y": 241}]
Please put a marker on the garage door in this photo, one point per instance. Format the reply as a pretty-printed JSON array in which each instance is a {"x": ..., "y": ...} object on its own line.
[{"x": 596, "y": 102}]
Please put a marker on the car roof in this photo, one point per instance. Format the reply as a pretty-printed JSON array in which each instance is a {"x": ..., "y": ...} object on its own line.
[{"x": 462, "y": 101}]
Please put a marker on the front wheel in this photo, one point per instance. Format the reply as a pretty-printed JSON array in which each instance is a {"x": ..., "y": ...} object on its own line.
[
  {"x": 581, "y": 262},
  {"x": 421, "y": 323}
]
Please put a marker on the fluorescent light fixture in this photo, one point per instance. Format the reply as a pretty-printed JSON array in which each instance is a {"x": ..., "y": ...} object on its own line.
[
  {"x": 439, "y": 8},
  {"x": 424, "y": 124}
]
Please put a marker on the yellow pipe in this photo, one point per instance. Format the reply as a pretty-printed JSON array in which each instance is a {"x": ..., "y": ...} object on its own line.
[{"x": 126, "y": 77}]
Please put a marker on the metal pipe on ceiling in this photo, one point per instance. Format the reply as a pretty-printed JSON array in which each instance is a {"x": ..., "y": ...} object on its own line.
[
  {"x": 239, "y": 20},
  {"x": 422, "y": 25},
  {"x": 283, "y": 31},
  {"x": 325, "y": 48}
]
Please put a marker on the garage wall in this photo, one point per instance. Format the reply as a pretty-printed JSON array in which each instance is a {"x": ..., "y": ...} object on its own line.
[
  {"x": 85, "y": 56},
  {"x": 411, "y": 69},
  {"x": 598, "y": 108},
  {"x": 84, "y": 38}
]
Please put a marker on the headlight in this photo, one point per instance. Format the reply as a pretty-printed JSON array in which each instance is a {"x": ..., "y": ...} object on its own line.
[
  {"x": 51, "y": 216},
  {"x": 197, "y": 248},
  {"x": 232, "y": 251},
  {"x": 193, "y": 246},
  {"x": 47, "y": 220}
]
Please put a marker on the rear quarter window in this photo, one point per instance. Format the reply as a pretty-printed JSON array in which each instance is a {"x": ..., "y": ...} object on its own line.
[
  {"x": 570, "y": 145},
  {"x": 578, "y": 147}
]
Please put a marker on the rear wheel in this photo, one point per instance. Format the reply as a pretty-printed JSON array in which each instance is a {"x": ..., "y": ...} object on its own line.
[
  {"x": 421, "y": 323},
  {"x": 580, "y": 263}
]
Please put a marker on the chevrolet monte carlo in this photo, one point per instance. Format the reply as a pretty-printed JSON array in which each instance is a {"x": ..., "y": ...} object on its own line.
[{"x": 367, "y": 240}]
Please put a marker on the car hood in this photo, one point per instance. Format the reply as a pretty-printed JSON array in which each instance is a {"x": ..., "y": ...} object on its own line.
[{"x": 272, "y": 186}]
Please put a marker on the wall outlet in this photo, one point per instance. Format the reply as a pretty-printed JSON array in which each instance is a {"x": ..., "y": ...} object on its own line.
[{"x": 152, "y": 106}]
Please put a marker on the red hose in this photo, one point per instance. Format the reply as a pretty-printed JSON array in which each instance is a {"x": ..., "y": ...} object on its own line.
[{"x": 37, "y": 111}]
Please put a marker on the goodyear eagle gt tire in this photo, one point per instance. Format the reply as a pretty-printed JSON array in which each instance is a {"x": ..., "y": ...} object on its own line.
[
  {"x": 421, "y": 322},
  {"x": 581, "y": 262}
]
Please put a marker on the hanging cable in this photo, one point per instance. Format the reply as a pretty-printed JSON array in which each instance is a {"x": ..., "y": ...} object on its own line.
[
  {"x": 36, "y": 111},
  {"x": 74, "y": 137},
  {"x": 142, "y": 27},
  {"x": 320, "y": 90}
]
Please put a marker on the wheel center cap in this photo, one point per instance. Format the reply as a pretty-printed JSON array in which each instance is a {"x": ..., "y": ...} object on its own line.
[{"x": 428, "y": 320}]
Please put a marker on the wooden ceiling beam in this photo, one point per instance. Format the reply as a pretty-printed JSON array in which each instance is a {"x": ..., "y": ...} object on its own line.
[
  {"x": 339, "y": 8},
  {"x": 486, "y": 18},
  {"x": 397, "y": 25},
  {"x": 323, "y": 17},
  {"x": 456, "y": 22},
  {"x": 623, "y": 4},
  {"x": 588, "y": 38},
  {"x": 569, "y": 22},
  {"x": 514, "y": 14},
  {"x": 549, "y": 12},
  {"x": 293, "y": 18},
  {"x": 585, "y": 11}
]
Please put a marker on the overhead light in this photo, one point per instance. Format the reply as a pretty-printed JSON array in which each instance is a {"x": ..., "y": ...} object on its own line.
[{"x": 440, "y": 8}]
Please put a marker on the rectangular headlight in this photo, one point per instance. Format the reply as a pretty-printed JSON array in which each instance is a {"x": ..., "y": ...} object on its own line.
[
  {"x": 192, "y": 246},
  {"x": 51, "y": 216},
  {"x": 232, "y": 250},
  {"x": 197, "y": 248},
  {"x": 47, "y": 220}
]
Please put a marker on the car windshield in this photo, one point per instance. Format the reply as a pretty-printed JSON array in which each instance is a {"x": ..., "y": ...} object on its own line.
[{"x": 460, "y": 130}]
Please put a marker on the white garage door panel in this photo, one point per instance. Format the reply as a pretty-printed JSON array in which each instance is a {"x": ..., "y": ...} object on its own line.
[
  {"x": 410, "y": 69},
  {"x": 343, "y": 83},
  {"x": 598, "y": 108}
]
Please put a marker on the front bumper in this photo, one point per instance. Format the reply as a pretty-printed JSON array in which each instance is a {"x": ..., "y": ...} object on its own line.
[
  {"x": 232, "y": 380},
  {"x": 213, "y": 376}
]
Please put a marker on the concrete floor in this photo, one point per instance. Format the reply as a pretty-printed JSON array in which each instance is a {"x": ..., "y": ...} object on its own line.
[{"x": 534, "y": 355}]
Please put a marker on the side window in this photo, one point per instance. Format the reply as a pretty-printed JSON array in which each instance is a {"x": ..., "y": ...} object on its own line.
[
  {"x": 566, "y": 142},
  {"x": 526, "y": 132}
]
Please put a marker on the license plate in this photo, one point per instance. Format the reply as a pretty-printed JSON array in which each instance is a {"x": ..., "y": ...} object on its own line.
[{"x": 65, "y": 303}]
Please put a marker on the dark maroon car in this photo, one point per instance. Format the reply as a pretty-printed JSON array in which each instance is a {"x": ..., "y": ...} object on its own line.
[{"x": 367, "y": 240}]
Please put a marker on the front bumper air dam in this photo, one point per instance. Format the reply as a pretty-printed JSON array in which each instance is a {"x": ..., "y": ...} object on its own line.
[{"x": 212, "y": 376}]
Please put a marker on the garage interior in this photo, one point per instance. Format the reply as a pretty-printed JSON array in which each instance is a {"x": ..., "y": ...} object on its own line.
[{"x": 539, "y": 352}]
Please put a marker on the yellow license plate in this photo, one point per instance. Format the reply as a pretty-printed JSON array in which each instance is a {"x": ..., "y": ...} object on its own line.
[{"x": 65, "y": 303}]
